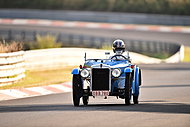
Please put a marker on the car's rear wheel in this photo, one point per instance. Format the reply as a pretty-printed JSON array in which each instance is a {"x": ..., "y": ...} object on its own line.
[
  {"x": 77, "y": 89},
  {"x": 85, "y": 100},
  {"x": 128, "y": 88}
]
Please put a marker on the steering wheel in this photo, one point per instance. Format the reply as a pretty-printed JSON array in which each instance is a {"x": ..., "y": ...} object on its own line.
[{"x": 115, "y": 56}]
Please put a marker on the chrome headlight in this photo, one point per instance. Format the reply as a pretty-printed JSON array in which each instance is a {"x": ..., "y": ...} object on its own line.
[
  {"x": 116, "y": 72},
  {"x": 84, "y": 73}
]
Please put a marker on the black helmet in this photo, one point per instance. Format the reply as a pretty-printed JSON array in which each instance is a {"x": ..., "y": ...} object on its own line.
[{"x": 118, "y": 45}]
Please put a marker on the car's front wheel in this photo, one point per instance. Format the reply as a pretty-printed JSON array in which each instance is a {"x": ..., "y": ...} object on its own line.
[
  {"x": 77, "y": 89},
  {"x": 128, "y": 88},
  {"x": 85, "y": 100}
]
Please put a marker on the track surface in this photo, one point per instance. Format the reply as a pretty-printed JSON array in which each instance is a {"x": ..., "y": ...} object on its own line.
[
  {"x": 180, "y": 38},
  {"x": 164, "y": 101}
]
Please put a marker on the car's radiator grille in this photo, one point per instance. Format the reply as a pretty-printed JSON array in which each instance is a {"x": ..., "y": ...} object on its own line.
[{"x": 100, "y": 78}]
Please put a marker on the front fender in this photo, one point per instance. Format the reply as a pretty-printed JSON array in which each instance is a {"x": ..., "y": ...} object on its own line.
[
  {"x": 136, "y": 91},
  {"x": 127, "y": 70},
  {"x": 75, "y": 71}
]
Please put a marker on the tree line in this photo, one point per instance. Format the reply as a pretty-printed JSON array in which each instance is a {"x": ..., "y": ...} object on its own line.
[{"x": 172, "y": 7}]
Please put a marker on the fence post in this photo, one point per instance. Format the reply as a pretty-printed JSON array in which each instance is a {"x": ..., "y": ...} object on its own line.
[
  {"x": 23, "y": 34},
  {"x": 140, "y": 47},
  {"x": 81, "y": 40},
  {"x": 59, "y": 37},
  {"x": 34, "y": 36},
  {"x": 92, "y": 41},
  {"x": 155, "y": 47},
  {"x": 71, "y": 39},
  {"x": 9, "y": 35},
  {"x": 148, "y": 46},
  {"x": 132, "y": 46}
]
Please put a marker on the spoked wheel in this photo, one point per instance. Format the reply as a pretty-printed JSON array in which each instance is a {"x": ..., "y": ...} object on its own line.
[
  {"x": 128, "y": 88},
  {"x": 85, "y": 100},
  {"x": 77, "y": 89}
]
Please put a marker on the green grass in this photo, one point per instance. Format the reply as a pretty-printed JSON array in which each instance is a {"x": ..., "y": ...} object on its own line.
[
  {"x": 106, "y": 47},
  {"x": 43, "y": 42},
  {"x": 40, "y": 78},
  {"x": 158, "y": 55}
]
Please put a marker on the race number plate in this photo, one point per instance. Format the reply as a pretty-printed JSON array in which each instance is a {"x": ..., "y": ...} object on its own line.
[{"x": 100, "y": 93}]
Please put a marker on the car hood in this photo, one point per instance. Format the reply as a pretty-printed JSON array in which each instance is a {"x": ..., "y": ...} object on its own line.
[{"x": 111, "y": 64}]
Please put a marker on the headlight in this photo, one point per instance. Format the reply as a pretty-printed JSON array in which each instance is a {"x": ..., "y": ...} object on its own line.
[
  {"x": 116, "y": 72},
  {"x": 84, "y": 73}
]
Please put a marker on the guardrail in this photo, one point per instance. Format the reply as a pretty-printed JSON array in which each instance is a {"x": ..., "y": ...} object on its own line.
[
  {"x": 92, "y": 16},
  {"x": 73, "y": 40},
  {"x": 11, "y": 67}
]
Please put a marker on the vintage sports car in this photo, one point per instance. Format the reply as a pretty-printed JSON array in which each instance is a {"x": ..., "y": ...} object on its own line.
[{"x": 115, "y": 76}]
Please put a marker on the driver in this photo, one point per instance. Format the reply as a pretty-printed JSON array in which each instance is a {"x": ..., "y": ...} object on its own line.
[{"x": 119, "y": 49}]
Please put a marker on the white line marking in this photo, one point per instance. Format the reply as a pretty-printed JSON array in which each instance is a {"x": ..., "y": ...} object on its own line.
[
  {"x": 14, "y": 93},
  {"x": 142, "y": 28},
  {"x": 40, "y": 90},
  {"x": 63, "y": 88},
  {"x": 19, "y": 21},
  {"x": 44, "y": 22},
  {"x": 117, "y": 26},
  {"x": 92, "y": 25},
  {"x": 185, "y": 30},
  {"x": 69, "y": 24},
  {"x": 165, "y": 29},
  {"x": 68, "y": 83}
]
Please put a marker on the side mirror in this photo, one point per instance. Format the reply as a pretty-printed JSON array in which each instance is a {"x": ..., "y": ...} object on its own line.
[{"x": 107, "y": 54}]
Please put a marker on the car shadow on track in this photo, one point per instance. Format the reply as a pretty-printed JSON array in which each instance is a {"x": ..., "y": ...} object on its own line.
[{"x": 158, "y": 107}]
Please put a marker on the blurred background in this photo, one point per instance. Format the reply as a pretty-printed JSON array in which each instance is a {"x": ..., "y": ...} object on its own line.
[
  {"x": 149, "y": 40},
  {"x": 155, "y": 28},
  {"x": 41, "y": 41},
  {"x": 172, "y": 7}
]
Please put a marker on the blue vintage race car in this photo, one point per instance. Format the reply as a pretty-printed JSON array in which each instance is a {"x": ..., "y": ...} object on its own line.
[{"x": 115, "y": 76}]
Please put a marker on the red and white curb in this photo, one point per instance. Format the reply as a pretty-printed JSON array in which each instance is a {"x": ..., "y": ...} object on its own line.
[
  {"x": 9, "y": 94},
  {"x": 93, "y": 25}
]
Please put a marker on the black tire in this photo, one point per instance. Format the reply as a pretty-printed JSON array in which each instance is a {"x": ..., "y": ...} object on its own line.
[
  {"x": 135, "y": 99},
  {"x": 128, "y": 82},
  {"x": 77, "y": 89},
  {"x": 140, "y": 78},
  {"x": 85, "y": 100}
]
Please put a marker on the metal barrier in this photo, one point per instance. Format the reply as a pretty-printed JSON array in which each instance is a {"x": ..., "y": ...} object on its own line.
[
  {"x": 73, "y": 40},
  {"x": 92, "y": 16},
  {"x": 11, "y": 67}
]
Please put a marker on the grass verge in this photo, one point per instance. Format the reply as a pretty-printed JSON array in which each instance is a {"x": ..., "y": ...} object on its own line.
[
  {"x": 40, "y": 78},
  {"x": 157, "y": 55}
]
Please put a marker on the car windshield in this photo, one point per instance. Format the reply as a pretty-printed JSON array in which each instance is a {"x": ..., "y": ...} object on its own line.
[
  {"x": 99, "y": 60},
  {"x": 104, "y": 60}
]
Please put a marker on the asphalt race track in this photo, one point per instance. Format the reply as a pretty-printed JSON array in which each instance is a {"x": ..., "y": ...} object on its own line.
[
  {"x": 180, "y": 38},
  {"x": 164, "y": 101}
]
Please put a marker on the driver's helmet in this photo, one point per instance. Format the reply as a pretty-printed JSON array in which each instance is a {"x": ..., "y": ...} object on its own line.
[{"x": 118, "y": 46}]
